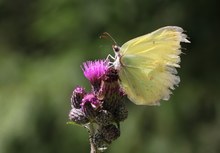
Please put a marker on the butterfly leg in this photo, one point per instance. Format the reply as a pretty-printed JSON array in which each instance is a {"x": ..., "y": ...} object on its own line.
[
  {"x": 109, "y": 56},
  {"x": 108, "y": 60}
]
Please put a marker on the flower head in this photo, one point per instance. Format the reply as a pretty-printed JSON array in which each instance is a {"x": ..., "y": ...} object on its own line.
[
  {"x": 94, "y": 70},
  {"x": 90, "y": 105},
  {"x": 91, "y": 99},
  {"x": 103, "y": 108}
]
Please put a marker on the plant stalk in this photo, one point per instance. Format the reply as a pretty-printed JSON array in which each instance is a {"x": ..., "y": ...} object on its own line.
[{"x": 93, "y": 147}]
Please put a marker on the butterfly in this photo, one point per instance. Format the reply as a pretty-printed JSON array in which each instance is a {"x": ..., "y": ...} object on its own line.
[{"x": 147, "y": 65}]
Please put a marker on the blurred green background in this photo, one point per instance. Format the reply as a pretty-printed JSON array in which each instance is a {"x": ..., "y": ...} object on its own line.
[{"x": 43, "y": 43}]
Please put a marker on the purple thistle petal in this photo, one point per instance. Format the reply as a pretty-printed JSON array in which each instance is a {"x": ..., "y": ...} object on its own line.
[
  {"x": 92, "y": 100},
  {"x": 94, "y": 70},
  {"x": 90, "y": 105}
]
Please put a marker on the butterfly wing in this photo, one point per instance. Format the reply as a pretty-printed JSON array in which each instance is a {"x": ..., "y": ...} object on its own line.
[{"x": 148, "y": 65}]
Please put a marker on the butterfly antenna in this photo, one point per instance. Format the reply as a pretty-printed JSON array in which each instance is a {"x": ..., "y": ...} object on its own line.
[{"x": 106, "y": 34}]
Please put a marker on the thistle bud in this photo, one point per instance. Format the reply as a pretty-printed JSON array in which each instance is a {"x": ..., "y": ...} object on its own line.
[
  {"x": 110, "y": 90},
  {"x": 77, "y": 116},
  {"x": 109, "y": 83},
  {"x": 77, "y": 96},
  {"x": 121, "y": 112},
  {"x": 104, "y": 118},
  {"x": 110, "y": 132}
]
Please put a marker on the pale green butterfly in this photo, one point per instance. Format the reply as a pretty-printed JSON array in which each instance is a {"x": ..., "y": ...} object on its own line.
[{"x": 147, "y": 65}]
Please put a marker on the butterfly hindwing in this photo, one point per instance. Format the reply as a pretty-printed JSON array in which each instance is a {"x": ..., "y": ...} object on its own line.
[{"x": 146, "y": 86}]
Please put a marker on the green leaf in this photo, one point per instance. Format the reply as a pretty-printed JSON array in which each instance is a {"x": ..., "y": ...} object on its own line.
[{"x": 73, "y": 123}]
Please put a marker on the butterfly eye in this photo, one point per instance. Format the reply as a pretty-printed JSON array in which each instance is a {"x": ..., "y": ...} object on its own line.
[{"x": 116, "y": 48}]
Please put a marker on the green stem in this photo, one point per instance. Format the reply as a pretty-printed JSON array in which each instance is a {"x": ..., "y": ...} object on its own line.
[{"x": 93, "y": 147}]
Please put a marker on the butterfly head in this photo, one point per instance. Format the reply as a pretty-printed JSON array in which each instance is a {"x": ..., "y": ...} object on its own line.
[
  {"x": 116, "y": 48},
  {"x": 117, "y": 63}
]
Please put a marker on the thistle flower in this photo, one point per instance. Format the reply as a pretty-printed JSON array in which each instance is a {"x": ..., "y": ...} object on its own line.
[
  {"x": 103, "y": 107},
  {"x": 90, "y": 104},
  {"x": 94, "y": 71},
  {"x": 91, "y": 99}
]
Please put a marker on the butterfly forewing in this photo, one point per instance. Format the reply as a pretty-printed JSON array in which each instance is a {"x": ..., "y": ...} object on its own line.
[{"x": 148, "y": 65}]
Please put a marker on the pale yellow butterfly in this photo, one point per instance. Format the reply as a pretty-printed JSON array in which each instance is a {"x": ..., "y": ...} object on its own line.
[{"x": 147, "y": 65}]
